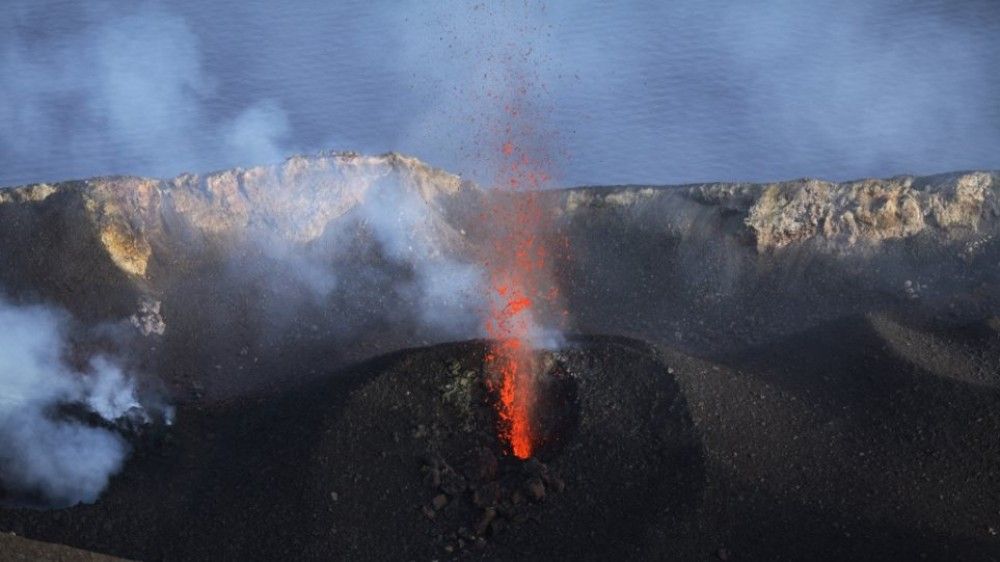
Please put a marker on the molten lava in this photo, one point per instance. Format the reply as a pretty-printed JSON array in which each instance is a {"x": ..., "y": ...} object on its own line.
[
  {"x": 516, "y": 275},
  {"x": 512, "y": 361}
]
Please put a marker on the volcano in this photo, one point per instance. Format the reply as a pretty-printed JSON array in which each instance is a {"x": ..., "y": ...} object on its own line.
[
  {"x": 793, "y": 370},
  {"x": 400, "y": 455}
]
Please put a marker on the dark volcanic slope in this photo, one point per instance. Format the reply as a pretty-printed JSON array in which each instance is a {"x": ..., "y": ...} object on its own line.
[
  {"x": 830, "y": 444},
  {"x": 13, "y": 547},
  {"x": 341, "y": 469}
]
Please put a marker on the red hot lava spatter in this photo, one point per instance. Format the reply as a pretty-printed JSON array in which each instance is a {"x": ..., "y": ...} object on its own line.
[
  {"x": 517, "y": 271},
  {"x": 503, "y": 96}
]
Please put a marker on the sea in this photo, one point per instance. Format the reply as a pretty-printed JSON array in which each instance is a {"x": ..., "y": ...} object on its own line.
[{"x": 632, "y": 92}]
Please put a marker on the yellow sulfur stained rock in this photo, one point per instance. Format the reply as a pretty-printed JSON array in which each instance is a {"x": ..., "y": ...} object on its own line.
[{"x": 128, "y": 251}]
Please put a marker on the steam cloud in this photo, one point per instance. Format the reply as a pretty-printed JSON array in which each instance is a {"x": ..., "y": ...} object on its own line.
[
  {"x": 445, "y": 292},
  {"x": 45, "y": 454},
  {"x": 391, "y": 263},
  {"x": 125, "y": 93}
]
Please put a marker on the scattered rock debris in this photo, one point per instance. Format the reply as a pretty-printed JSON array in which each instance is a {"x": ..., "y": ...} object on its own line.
[{"x": 488, "y": 496}]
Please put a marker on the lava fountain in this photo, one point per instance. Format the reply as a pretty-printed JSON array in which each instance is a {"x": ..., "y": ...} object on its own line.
[
  {"x": 516, "y": 272},
  {"x": 514, "y": 145}
]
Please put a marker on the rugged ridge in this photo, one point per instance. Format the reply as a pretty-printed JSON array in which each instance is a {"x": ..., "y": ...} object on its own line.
[
  {"x": 295, "y": 200},
  {"x": 687, "y": 262},
  {"x": 298, "y": 199},
  {"x": 842, "y": 217}
]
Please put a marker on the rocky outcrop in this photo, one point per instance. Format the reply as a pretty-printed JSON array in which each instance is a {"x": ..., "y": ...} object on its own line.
[
  {"x": 300, "y": 197},
  {"x": 106, "y": 247},
  {"x": 840, "y": 217},
  {"x": 297, "y": 200},
  {"x": 101, "y": 247},
  {"x": 870, "y": 211}
]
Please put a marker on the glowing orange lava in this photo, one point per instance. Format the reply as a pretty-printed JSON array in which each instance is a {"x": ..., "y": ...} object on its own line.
[
  {"x": 514, "y": 146},
  {"x": 516, "y": 268}
]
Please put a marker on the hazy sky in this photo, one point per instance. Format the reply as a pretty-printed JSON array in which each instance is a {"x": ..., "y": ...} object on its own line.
[{"x": 659, "y": 92}]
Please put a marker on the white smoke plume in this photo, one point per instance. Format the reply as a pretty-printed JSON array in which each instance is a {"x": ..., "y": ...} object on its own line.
[
  {"x": 46, "y": 455},
  {"x": 391, "y": 259},
  {"x": 445, "y": 292}
]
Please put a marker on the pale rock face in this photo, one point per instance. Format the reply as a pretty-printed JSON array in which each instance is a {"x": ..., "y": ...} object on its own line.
[
  {"x": 300, "y": 197},
  {"x": 128, "y": 250},
  {"x": 298, "y": 200},
  {"x": 295, "y": 201},
  {"x": 581, "y": 199},
  {"x": 837, "y": 217},
  {"x": 122, "y": 209},
  {"x": 148, "y": 319},
  {"x": 965, "y": 203},
  {"x": 32, "y": 193},
  {"x": 865, "y": 213}
]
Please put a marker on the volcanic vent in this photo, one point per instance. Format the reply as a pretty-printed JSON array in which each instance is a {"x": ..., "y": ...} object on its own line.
[
  {"x": 400, "y": 457},
  {"x": 285, "y": 447},
  {"x": 416, "y": 450}
]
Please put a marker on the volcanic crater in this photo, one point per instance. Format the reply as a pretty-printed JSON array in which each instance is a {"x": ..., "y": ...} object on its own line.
[
  {"x": 794, "y": 370},
  {"x": 402, "y": 454}
]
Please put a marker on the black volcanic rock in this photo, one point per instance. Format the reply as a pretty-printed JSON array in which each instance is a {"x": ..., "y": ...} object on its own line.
[{"x": 334, "y": 470}]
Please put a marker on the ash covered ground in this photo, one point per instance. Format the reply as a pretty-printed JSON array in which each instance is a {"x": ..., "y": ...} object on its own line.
[{"x": 793, "y": 370}]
